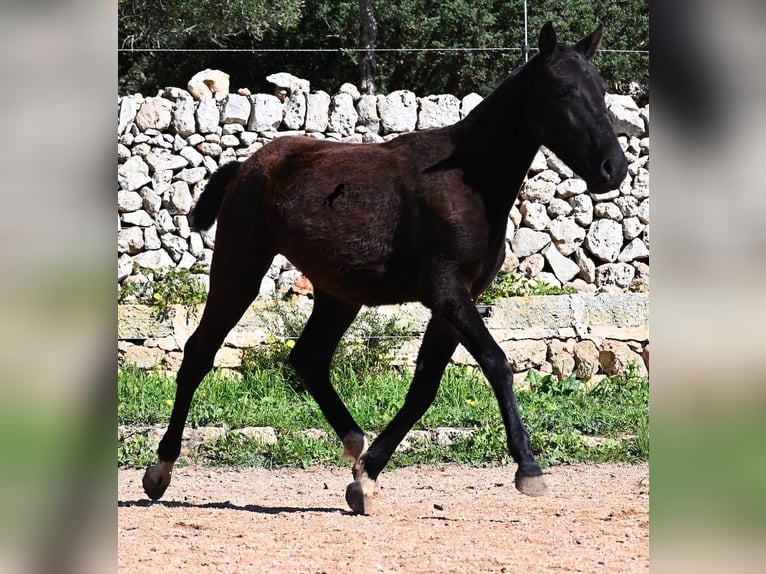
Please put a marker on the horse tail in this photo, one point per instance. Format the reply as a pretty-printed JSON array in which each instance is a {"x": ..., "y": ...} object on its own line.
[{"x": 206, "y": 210}]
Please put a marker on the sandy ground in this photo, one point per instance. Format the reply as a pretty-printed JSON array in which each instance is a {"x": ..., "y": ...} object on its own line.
[{"x": 427, "y": 520}]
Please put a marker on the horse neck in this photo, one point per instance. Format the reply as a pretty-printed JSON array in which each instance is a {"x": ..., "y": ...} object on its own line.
[{"x": 495, "y": 146}]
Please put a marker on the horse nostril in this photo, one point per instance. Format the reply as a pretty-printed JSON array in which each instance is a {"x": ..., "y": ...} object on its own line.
[{"x": 606, "y": 170}]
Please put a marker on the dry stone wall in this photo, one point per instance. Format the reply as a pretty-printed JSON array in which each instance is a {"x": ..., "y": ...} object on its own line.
[
  {"x": 170, "y": 144},
  {"x": 588, "y": 334}
]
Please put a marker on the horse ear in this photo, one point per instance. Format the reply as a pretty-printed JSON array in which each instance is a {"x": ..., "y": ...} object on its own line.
[
  {"x": 588, "y": 46},
  {"x": 547, "y": 40}
]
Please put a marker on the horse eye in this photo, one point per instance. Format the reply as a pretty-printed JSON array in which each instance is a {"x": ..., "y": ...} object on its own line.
[{"x": 566, "y": 90}]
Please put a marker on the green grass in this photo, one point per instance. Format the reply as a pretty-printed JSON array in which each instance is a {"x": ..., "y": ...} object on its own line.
[{"x": 557, "y": 414}]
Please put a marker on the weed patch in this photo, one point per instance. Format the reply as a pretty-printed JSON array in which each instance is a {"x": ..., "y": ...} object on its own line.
[
  {"x": 508, "y": 284},
  {"x": 163, "y": 288}
]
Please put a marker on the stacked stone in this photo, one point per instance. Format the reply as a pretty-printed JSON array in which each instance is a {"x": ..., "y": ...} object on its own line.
[
  {"x": 170, "y": 144},
  {"x": 564, "y": 235}
]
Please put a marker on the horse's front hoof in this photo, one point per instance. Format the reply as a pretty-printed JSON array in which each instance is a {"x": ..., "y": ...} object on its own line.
[
  {"x": 157, "y": 479},
  {"x": 359, "y": 495},
  {"x": 531, "y": 485}
]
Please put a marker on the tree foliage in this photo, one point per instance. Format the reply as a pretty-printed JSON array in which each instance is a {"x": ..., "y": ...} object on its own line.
[
  {"x": 333, "y": 25},
  {"x": 154, "y": 24},
  {"x": 626, "y": 24},
  {"x": 192, "y": 24}
]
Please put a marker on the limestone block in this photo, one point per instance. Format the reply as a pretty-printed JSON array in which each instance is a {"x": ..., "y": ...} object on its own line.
[
  {"x": 625, "y": 115},
  {"x": 161, "y": 160},
  {"x": 615, "y": 274},
  {"x": 559, "y": 208},
  {"x": 561, "y": 357},
  {"x": 534, "y": 215},
  {"x": 634, "y": 250},
  {"x": 128, "y": 201},
  {"x": 212, "y": 83},
  {"x": 468, "y": 103},
  {"x": 586, "y": 358},
  {"x": 158, "y": 259},
  {"x": 615, "y": 356},
  {"x": 133, "y": 174},
  {"x": 267, "y": 113},
  {"x": 604, "y": 239},
  {"x": 398, "y": 111},
  {"x": 288, "y": 83},
  {"x": 154, "y": 113},
  {"x": 563, "y": 268},
  {"x": 295, "y": 111},
  {"x": 438, "y": 111},
  {"x": 235, "y": 110},
  {"x": 343, "y": 116},
  {"x": 367, "y": 111},
  {"x": 130, "y": 240},
  {"x": 184, "y": 122},
  {"x": 528, "y": 241},
  {"x": 525, "y": 355},
  {"x": 317, "y": 111},
  {"x": 143, "y": 357},
  {"x": 128, "y": 109},
  {"x": 567, "y": 235},
  {"x": 208, "y": 115},
  {"x": 541, "y": 188}
]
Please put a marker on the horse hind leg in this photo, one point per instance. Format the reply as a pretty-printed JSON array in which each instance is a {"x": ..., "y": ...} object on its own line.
[
  {"x": 439, "y": 342},
  {"x": 234, "y": 283}
]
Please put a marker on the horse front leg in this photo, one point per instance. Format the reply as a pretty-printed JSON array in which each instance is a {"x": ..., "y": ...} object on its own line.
[
  {"x": 439, "y": 342},
  {"x": 463, "y": 315}
]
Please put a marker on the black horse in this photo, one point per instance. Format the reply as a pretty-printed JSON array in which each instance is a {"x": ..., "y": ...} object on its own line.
[{"x": 419, "y": 218}]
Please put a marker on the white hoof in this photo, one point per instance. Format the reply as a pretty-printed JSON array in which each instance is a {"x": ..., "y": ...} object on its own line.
[{"x": 359, "y": 495}]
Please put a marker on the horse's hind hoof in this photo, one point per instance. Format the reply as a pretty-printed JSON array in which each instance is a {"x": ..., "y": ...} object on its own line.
[
  {"x": 157, "y": 479},
  {"x": 531, "y": 485},
  {"x": 359, "y": 496}
]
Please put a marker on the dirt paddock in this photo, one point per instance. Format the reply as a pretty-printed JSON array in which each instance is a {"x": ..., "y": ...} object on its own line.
[{"x": 427, "y": 520}]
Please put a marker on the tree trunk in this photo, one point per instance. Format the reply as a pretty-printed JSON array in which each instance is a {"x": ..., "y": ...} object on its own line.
[{"x": 368, "y": 32}]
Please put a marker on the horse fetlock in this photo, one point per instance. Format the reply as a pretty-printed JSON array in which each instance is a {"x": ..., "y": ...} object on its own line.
[
  {"x": 157, "y": 479},
  {"x": 531, "y": 485},
  {"x": 354, "y": 445}
]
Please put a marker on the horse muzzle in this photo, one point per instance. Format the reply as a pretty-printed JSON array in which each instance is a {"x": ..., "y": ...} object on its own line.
[{"x": 608, "y": 173}]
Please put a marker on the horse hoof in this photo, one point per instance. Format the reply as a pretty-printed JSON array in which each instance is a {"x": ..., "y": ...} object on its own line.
[
  {"x": 359, "y": 496},
  {"x": 156, "y": 479},
  {"x": 531, "y": 485}
]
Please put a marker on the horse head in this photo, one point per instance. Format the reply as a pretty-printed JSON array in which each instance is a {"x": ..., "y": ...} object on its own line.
[{"x": 567, "y": 112}]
